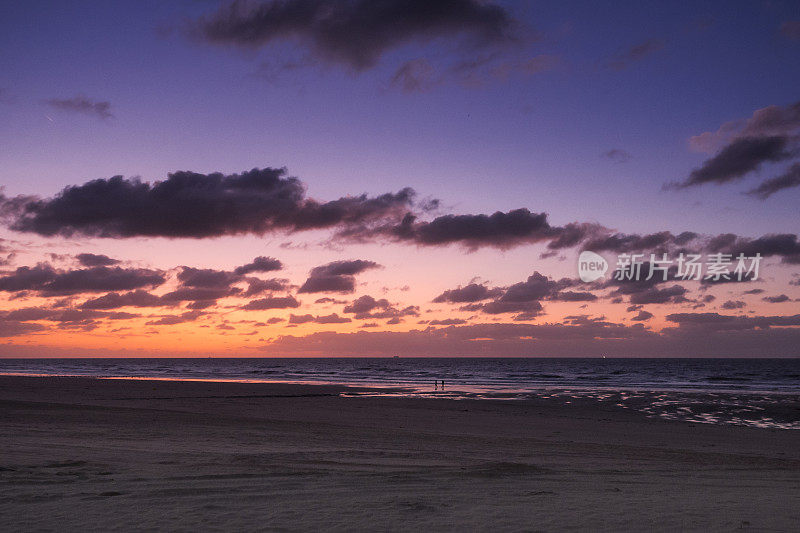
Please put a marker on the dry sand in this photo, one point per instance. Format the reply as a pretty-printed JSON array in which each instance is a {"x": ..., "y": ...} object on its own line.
[{"x": 82, "y": 454}]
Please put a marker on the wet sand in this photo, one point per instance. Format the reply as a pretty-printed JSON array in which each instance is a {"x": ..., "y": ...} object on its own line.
[{"x": 81, "y": 453}]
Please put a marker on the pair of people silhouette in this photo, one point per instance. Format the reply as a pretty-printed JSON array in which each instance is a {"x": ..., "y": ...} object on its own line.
[{"x": 436, "y": 384}]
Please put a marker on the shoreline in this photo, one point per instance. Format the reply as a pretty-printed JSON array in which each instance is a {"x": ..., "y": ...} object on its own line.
[{"x": 748, "y": 408}]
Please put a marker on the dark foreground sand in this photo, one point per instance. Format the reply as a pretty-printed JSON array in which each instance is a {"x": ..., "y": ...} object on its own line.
[{"x": 81, "y": 454}]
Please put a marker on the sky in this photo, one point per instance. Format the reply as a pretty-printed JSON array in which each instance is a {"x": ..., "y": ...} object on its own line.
[{"x": 414, "y": 178}]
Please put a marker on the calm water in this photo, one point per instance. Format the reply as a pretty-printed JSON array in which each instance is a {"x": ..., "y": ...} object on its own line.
[{"x": 750, "y": 392}]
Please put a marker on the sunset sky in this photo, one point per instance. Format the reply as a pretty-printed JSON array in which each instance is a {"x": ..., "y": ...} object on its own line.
[{"x": 379, "y": 178}]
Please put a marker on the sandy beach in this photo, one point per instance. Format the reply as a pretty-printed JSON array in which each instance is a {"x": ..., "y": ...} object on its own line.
[{"x": 81, "y": 453}]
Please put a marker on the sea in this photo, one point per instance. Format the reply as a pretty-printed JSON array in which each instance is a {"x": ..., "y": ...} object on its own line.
[{"x": 757, "y": 392}]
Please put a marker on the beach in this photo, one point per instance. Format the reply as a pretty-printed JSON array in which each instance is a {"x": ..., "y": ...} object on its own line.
[{"x": 115, "y": 454}]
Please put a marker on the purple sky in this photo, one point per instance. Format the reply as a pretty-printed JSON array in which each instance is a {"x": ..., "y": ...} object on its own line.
[{"x": 639, "y": 117}]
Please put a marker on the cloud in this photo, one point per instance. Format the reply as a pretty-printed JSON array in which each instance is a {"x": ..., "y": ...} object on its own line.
[
  {"x": 499, "y": 230},
  {"x": 82, "y": 104},
  {"x": 114, "y": 300},
  {"x": 188, "y": 204},
  {"x": 66, "y": 319},
  {"x": 257, "y": 286},
  {"x": 46, "y": 280},
  {"x": 770, "y": 121},
  {"x": 523, "y": 298},
  {"x": 416, "y": 75},
  {"x": 300, "y": 319},
  {"x": 260, "y": 201},
  {"x": 733, "y": 304},
  {"x": 196, "y": 294},
  {"x": 617, "y": 155},
  {"x": 338, "y": 276},
  {"x": 776, "y": 299},
  {"x": 355, "y": 33},
  {"x": 209, "y": 285},
  {"x": 770, "y": 135},
  {"x": 737, "y": 159},
  {"x": 473, "y": 292},
  {"x": 324, "y": 319},
  {"x": 13, "y": 328},
  {"x": 717, "y": 322},
  {"x": 367, "y": 307},
  {"x": 784, "y": 245},
  {"x": 171, "y": 320},
  {"x": 206, "y": 278},
  {"x": 333, "y": 318},
  {"x": 654, "y": 295},
  {"x": 635, "y": 53},
  {"x": 93, "y": 260},
  {"x": 705, "y": 335},
  {"x": 791, "y": 29},
  {"x": 447, "y": 322},
  {"x": 259, "y": 264},
  {"x": 642, "y": 316},
  {"x": 790, "y": 178},
  {"x": 271, "y": 302}
]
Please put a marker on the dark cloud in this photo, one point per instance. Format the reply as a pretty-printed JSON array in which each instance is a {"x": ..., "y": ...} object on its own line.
[
  {"x": 271, "y": 302},
  {"x": 784, "y": 245},
  {"x": 82, "y": 104},
  {"x": 259, "y": 264},
  {"x": 69, "y": 319},
  {"x": 13, "y": 328},
  {"x": 194, "y": 294},
  {"x": 300, "y": 319},
  {"x": 209, "y": 284},
  {"x": 733, "y": 304},
  {"x": 717, "y": 322},
  {"x": 327, "y": 300},
  {"x": 525, "y": 297},
  {"x": 499, "y": 230},
  {"x": 257, "y": 286},
  {"x": 790, "y": 178},
  {"x": 642, "y": 316},
  {"x": 743, "y": 146},
  {"x": 447, "y": 322},
  {"x": 776, "y": 299},
  {"x": 739, "y": 158},
  {"x": 635, "y": 53},
  {"x": 206, "y": 278},
  {"x": 617, "y": 155},
  {"x": 93, "y": 260},
  {"x": 621, "y": 242},
  {"x": 654, "y": 295},
  {"x": 338, "y": 276},
  {"x": 333, "y": 318},
  {"x": 48, "y": 281},
  {"x": 355, "y": 33},
  {"x": 573, "y": 296},
  {"x": 367, "y": 307},
  {"x": 473, "y": 292},
  {"x": 114, "y": 300},
  {"x": 193, "y": 205},
  {"x": 171, "y": 320}
]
